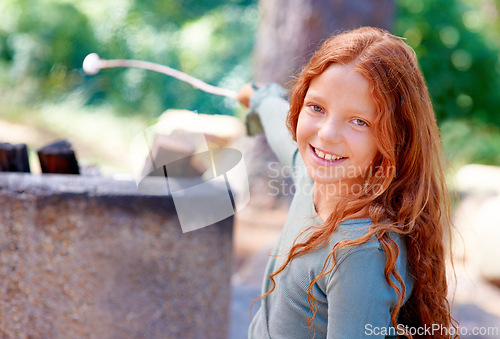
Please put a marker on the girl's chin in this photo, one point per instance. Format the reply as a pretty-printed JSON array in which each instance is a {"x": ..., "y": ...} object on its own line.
[
  {"x": 326, "y": 174},
  {"x": 321, "y": 178}
]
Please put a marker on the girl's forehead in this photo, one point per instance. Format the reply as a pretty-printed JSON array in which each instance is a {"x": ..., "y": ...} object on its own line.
[{"x": 341, "y": 80}]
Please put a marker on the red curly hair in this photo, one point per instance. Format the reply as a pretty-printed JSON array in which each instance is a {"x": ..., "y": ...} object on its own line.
[{"x": 406, "y": 193}]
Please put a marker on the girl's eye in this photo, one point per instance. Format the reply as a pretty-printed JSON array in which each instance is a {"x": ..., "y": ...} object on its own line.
[
  {"x": 359, "y": 122},
  {"x": 316, "y": 108}
]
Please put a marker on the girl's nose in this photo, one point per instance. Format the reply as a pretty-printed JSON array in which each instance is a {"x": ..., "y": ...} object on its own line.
[{"x": 330, "y": 131}]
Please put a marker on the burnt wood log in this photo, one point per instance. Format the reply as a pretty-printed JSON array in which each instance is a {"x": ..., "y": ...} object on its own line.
[
  {"x": 59, "y": 158},
  {"x": 14, "y": 158}
]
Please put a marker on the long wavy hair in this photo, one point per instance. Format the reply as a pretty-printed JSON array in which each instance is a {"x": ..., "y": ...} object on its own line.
[{"x": 406, "y": 192}]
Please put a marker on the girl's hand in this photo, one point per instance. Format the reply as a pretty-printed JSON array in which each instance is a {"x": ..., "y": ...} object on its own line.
[{"x": 244, "y": 94}]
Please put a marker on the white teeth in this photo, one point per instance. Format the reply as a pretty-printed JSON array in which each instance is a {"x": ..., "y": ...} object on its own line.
[{"x": 326, "y": 156}]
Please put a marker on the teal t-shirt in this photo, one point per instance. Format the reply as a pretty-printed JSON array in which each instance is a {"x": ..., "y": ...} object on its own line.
[{"x": 354, "y": 300}]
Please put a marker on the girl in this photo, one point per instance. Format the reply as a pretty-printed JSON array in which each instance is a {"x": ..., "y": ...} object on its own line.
[{"x": 362, "y": 252}]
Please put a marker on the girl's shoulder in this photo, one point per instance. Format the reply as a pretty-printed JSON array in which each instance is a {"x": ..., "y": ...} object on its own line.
[
  {"x": 367, "y": 261},
  {"x": 352, "y": 229}
]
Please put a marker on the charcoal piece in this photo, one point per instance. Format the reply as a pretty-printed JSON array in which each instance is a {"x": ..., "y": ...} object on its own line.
[
  {"x": 14, "y": 158},
  {"x": 59, "y": 158}
]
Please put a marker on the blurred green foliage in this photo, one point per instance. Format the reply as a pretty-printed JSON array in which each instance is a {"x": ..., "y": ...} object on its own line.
[
  {"x": 468, "y": 141},
  {"x": 458, "y": 47},
  {"x": 457, "y": 44},
  {"x": 43, "y": 44}
]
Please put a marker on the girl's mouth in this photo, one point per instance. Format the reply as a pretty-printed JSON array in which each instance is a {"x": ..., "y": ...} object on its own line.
[{"x": 326, "y": 158}]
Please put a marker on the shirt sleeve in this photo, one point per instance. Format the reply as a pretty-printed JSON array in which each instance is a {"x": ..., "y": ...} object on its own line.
[
  {"x": 268, "y": 103},
  {"x": 360, "y": 300}
]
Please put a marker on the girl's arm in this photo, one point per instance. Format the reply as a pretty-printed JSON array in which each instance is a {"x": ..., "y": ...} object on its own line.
[
  {"x": 360, "y": 300},
  {"x": 267, "y": 101}
]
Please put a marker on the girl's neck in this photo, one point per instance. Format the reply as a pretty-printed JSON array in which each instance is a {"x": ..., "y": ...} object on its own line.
[{"x": 326, "y": 199}]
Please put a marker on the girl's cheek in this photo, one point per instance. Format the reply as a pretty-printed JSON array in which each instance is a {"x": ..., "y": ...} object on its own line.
[{"x": 300, "y": 127}]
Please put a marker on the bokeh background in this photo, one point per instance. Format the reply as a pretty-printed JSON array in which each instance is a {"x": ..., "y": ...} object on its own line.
[
  {"x": 45, "y": 96},
  {"x": 43, "y": 43}
]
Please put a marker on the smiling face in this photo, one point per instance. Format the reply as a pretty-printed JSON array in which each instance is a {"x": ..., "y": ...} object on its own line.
[{"x": 334, "y": 129}]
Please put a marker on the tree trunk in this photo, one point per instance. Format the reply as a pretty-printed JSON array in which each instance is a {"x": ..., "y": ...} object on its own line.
[{"x": 290, "y": 30}]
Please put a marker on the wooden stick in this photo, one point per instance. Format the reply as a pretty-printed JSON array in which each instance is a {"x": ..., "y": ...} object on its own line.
[{"x": 93, "y": 64}]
